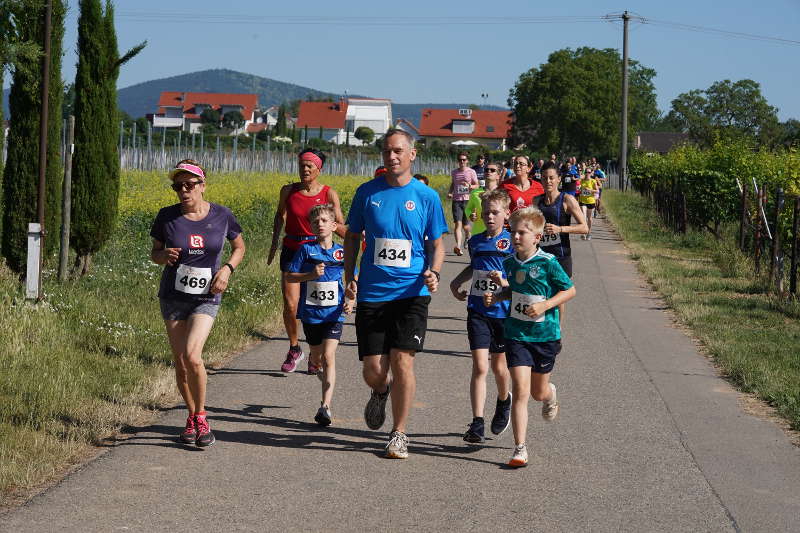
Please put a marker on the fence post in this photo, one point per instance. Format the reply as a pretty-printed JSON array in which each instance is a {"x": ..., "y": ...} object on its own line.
[
  {"x": 776, "y": 261},
  {"x": 793, "y": 270},
  {"x": 757, "y": 238}
]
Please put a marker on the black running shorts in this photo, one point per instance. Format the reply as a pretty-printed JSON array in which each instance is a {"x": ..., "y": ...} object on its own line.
[{"x": 398, "y": 324}]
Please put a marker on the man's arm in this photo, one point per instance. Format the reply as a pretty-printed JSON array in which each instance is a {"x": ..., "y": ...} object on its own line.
[
  {"x": 352, "y": 242},
  {"x": 435, "y": 251}
]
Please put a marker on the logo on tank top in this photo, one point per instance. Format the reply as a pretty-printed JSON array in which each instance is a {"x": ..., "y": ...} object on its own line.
[
  {"x": 410, "y": 205},
  {"x": 338, "y": 255},
  {"x": 520, "y": 202},
  {"x": 196, "y": 241},
  {"x": 502, "y": 244}
]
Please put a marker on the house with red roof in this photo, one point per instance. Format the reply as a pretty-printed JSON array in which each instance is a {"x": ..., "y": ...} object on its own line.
[
  {"x": 338, "y": 121},
  {"x": 178, "y": 109},
  {"x": 465, "y": 127}
]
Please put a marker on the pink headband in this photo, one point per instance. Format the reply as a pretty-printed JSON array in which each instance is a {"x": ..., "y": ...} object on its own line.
[
  {"x": 187, "y": 167},
  {"x": 314, "y": 158}
]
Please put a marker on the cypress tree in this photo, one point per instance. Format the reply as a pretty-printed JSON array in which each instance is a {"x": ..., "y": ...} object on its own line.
[
  {"x": 21, "y": 174},
  {"x": 95, "y": 163},
  {"x": 280, "y": 121}
]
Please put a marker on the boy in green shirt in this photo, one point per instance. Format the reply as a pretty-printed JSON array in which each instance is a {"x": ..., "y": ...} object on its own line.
[{"x": 536, "y": 285}]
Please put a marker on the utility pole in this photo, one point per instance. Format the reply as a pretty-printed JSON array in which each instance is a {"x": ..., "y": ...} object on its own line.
[
  {"x": 623, "y": 151},
  {"x": 43, "y": 136}
]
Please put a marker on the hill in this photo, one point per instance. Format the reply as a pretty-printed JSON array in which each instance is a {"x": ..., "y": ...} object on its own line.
[{"x": 141, "y": 99}]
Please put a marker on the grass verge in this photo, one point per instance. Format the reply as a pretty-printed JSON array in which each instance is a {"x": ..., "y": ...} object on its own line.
[
  {"x": 753, "y": 337},
  {"x": 93, "y": 358}
]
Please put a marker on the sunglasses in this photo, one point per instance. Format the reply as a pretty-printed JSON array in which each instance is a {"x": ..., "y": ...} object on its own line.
[
  {"x": 462, "y": 160},
  {"x": 188, "y": 185},
  {"x": 490, "y": 170}
]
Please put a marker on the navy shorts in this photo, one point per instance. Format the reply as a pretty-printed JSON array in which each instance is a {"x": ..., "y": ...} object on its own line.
[
  {"x": 180, "y": 310},
  {"x": 287, "y": 254},
  {"x": 540, "y": 356},
  {"x": 316, "y": 333},
  {"x": 485, "y": 332},
  {"x": 399, "y": 324}
]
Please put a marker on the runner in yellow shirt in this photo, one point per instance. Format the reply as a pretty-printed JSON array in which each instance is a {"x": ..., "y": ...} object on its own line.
[{"x": 586, "y": 199}]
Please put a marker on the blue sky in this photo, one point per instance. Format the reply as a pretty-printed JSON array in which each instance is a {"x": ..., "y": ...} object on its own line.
[{"x": 447, "y": 51}]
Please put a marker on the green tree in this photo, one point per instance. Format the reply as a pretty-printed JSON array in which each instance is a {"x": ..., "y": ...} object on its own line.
[
  {"x": 726, "y": 110},
  {"x": 21, "y": 174},
  {"x": 364, "y": 134},
  {"x": 280, "y": 121},
  {"x": 210, "y": 116},
  {"x": 95, "y": 164},
  {"x": 233, "y": 120},
  {"x": 571, "y": 103}
]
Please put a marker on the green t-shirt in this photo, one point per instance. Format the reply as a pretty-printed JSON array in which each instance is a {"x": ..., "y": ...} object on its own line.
[
  {"x": 533, "y": 280},
  {"x": 474, "y": 206}
]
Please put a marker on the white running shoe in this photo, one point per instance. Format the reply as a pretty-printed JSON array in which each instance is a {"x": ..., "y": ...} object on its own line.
[
  {"x": 398, "y": 446},
  {"x": 520, "y": 457},
  {"x": 550, "y": 407}
]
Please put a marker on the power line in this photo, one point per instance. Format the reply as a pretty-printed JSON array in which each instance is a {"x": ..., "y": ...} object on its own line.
[{"x": 168, "y": 17}]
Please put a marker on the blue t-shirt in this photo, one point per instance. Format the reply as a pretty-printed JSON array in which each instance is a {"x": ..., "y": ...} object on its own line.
[
  {"x": 201, "y": 243},
  {"x": 321, "y": 299},
  {"x": 396, "y": 222},
  {"x": 487, "y": 254}
]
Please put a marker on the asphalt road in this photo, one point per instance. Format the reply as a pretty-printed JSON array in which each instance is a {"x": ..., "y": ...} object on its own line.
[{"x": 648, "y": 439}]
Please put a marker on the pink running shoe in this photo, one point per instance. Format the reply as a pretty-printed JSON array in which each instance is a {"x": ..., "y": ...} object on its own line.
[
  {"x": 313, "y": 369},
  {"x": 189, "y": 435},
  {"x": 204, "y": 436},
  {"x": 293, "y": 357}
]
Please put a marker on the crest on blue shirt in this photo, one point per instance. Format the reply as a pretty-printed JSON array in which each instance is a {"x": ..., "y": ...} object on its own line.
[{"x": 502, "y": 244}]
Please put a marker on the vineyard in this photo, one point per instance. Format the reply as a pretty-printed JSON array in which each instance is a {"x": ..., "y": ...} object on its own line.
[{"x": 734, "y": 192}]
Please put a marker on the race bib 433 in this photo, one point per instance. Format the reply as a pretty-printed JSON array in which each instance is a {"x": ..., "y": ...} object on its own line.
[{"x": 322, "y": 293}]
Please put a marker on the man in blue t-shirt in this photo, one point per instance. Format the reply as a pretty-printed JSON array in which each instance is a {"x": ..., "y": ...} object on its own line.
[{"x": 403, "y": 222}]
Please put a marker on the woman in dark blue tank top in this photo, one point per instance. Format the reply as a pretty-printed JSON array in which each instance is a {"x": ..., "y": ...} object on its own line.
[{"x": 558, "y": 209}]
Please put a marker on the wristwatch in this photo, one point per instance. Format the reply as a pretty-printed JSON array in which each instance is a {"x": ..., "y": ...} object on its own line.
[{"x": 230, "y": 266}]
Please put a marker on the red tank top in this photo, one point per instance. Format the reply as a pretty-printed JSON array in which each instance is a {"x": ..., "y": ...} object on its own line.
[
  {"x": 520, "y": 199},
  {"x": 298, "y": 205}
]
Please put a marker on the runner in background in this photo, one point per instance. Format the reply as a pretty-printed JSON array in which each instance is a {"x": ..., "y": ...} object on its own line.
[
  {"x": 586, "y": 199},
  {"x": 480, "y": 169},
  {"x": 397, "y": 273},
  {"x": 188, "y": 238},
  {"x": 600, "y": 176},
  {"x": 463, "y": 181},
  {"x": 474, "y": 207},
  {"x": 559, "y": 208},
  {"x": 294, "y": 204},
  {"x": 521, "y": 188}
]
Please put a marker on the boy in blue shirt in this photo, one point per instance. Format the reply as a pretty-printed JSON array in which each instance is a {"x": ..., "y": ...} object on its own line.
[
  {"x": 537, "y": 285},
  {"x": 487, "y": 252},
  {"x": 318, "y": 266}
]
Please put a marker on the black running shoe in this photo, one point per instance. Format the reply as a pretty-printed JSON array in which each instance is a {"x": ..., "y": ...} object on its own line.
[
  {"x": 375, "y": 410},
  {"x": 474, "y": 434},
  {"x": 502, "y": 416},
  {"x": 323, "y": 416}
]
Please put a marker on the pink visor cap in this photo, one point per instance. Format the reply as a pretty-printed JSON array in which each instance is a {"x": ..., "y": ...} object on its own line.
[{"x": 187, "y": 167}]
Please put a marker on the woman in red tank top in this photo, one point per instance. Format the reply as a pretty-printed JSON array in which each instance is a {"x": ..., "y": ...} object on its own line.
[
  {"x": 521, "y": 188},
  {"x": 296, "y": 200}
]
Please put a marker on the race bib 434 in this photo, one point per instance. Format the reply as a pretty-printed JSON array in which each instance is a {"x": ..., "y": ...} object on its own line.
[{"x": 392, "y": 252}]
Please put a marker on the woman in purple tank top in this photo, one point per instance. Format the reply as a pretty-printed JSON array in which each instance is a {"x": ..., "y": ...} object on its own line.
[{"x": 188, "y": 239}]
